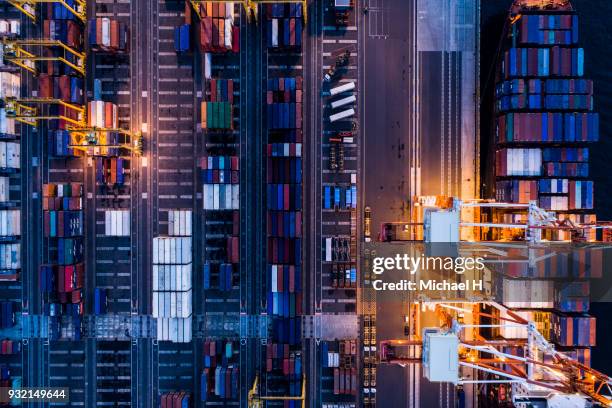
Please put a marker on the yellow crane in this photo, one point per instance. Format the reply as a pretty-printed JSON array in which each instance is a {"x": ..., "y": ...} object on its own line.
[
  {"x": 83, "y": 137},
  {"x": 15, "y": 52},
  {"x": 28, "y": 7},
  {"x": 26, "y": 111},
  {"x": 91, "y": 139},
  {"x": 256, "y": 401}
]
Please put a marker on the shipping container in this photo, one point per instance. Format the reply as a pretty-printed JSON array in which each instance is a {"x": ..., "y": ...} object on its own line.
[{"x": 117, "y": 223}]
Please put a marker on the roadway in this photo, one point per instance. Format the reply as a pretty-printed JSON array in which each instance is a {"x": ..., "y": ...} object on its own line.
[{"x": 419, "y": 138}]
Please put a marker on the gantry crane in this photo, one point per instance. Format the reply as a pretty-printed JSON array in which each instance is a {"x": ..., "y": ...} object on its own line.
[
  {"x": 540, "y": 372},
  {"x": 15, "y": 52},
  {"x": 257, "y": 401},
  {"x": 26, "y": 110},
  {"x": 250, "y": 6},
  {"x": 28, "y": 7},
  {"x": 84, "y": 137}
]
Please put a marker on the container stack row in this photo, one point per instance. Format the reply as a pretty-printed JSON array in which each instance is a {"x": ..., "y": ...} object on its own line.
[
  {"x": 284, "y": 225},
  {"x": 340, "y": 197},
  {"x": 220, "y": 378},
  {"x": 172, "y": 279},
  {"x": 221, "y": 182},
  {"x": 218, "y": 110},
  {"x": 286, "y": 365},
  {"x": 62, "y": 279},
  {"x": 284, "y": 26},
  {"x": 216, "y": 32},
  {"x": 109, "y": 35},
  {"x": 179, "y": 399}
]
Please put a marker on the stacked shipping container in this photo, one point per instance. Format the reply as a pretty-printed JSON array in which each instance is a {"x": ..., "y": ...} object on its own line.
[
  {"x": 108, "y": 35},
  {"x": 545, "y": 117},
  {"x": 172, "y": 279},
  {"x": 62, "y": 280},
  {"x": 284, "y": 225},
  {"x": 220, "y": 376},
  {"x": 284, "y": 26},
  {"x": 217, "y": 32}
]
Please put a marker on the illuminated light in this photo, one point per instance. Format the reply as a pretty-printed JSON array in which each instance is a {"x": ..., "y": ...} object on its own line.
[
  {"x": 144, "y": 127},
  {"x": 144, "y": 162}
]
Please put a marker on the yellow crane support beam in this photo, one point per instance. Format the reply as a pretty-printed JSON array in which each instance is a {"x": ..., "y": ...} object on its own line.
[
  {"x": 88, "y": 138},
  {"x": 255, "y": 401},
  {"x": 28, "y": 7},
  {"x": 22, "y": 111},
  {"x": 246, "y": 4},
  {"x": 304, "y": 4},
  {"x": 14, "y": 52}
]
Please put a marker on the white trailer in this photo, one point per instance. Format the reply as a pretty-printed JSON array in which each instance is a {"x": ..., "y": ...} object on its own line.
[
  {"x": 349, "y": 86},
  {"x": 343, "y": 101},
  {"x": 342, "y": 115}
]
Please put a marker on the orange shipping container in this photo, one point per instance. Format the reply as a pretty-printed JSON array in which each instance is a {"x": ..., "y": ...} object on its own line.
[
  {"x": 204, "y": 121},
  {"x": 114, "y": 34}
]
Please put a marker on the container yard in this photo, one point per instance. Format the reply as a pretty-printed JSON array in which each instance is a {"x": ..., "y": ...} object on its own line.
[{"x": 194, "y": 195}]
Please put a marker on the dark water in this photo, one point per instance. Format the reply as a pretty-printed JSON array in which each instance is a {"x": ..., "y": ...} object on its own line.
[{"x": 596, "y": 38}]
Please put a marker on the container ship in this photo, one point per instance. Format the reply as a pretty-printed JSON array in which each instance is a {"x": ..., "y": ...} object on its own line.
[{"x": 545, "y": 125}]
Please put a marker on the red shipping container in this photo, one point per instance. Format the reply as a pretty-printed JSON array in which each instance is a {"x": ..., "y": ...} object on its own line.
[
  {"x": 235, "y": 39},
  {"x": 286, "y": 205},
  {"x": 292, "y": 31},
  {"x": 206, "y": 29},
  {"x": 114, "y": 34},
  {"x": 98, "y": 30},
  {"x": 215, "y": 33}
]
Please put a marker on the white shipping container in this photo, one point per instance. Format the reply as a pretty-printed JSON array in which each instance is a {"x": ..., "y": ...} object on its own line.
[
  {"x": 10, "y": 223},
  {"x": 172, "y": 277},
  {"x": 274, "y": 32},
  {"x": 228, "y": 33},
  {"x": 208, "y": 65},
  {"x": 7, "y": 125},
  {"x": 229, "y": 12},
  {"x": 13, "y": 155},
  {"x": 221, "y": 196},
  {"x": 10, "y": 85},
  {"x": 172, "y": 250},
  {"x": 328, "y": 249},
  {"x": 511, "y": 330},
  {"x": 10, "y": 256},
  {"x": 274, "y": 279},
  {"x": 523, "y": 162},
  {"x": 179, "y": 222},
  {"x": 106, "y": 32},
  {"x": 3, "y": 155},
  {"x": 176, "y": 330},
  {"x": 4, "y": 189},
  {"x": 528, "y": 294},
  {"x": 117, "y": 223}
]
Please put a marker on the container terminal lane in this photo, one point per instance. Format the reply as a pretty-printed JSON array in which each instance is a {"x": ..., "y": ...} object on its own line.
[{"x": 191, "y": 189}]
